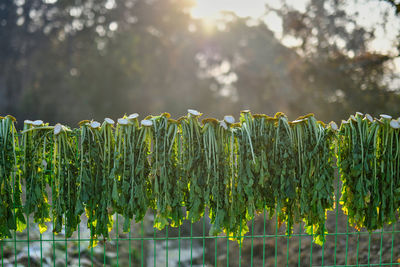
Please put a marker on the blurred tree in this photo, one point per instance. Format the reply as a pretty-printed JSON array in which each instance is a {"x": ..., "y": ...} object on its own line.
[
  {"x": 71, "y": 60},
  {"x": 338, "y": 72},
  {"x": 395, "y": 4},
  {"x": 36, "y": 66},
  {"x": 249, "y": 66},
  {"x": 330, "y": 72}
]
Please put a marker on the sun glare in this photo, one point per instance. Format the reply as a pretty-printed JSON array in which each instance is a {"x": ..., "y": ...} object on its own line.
[{"x": 211, "y": 9}]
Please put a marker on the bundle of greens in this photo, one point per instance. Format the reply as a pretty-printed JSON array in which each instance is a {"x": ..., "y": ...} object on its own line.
[
  {"x": 217, "y": 140},
  {"x": 36, "y": 161},
  {"x": 194, "y": 169},
  {"x": 97, "y": 154},
  {"x": 11, "y": 214},
  {"x": 246, "y": 165},
  {"x": 388, "y": 166},
  {"x": 359, "y": 170},
  {"x": 285, "y": 180},
  {"x": 228, "y": 147},
  {"x": 234, "y": 169},
  {"x": 66, "y": 204},
  {"x": 315, "y": 154},
  {"x": 167, "y": 187},
  {"x": 131, "y": 188},
  {"x": 245, "y": 197},
  {"x": 263, "y": 136}
]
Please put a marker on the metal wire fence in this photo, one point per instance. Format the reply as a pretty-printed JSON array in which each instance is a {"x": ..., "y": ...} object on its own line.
[{"x": 266, "y": 244}]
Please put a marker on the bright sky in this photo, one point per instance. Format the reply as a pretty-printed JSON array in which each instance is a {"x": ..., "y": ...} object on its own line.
[
  {"x": 211, "y": 8},
  {"x": 368, "y": 16}
]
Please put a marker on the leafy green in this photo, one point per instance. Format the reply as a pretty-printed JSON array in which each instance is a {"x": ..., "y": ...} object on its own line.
[
  {"x": 286, "y": 180},
  {"x": 95, "y": 179},
  {"x": 167, "y": 187},
  {"x": 233, "y": 170},
  {"x": 217, "y": 145},
  {"x": 11, "y": 213},
  {"x": 369, "y": 165},
  {"x": 263, "y": 135},
  {"x": 37, "y": 144},
  {"x": 67, "y": 207},
  {"x": 131, "y": 187},
  {"x": 315, "y": 155},
  {"x": 194, "y": 167}
]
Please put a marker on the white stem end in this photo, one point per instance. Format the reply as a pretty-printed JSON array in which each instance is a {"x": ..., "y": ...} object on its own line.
[
  {"x": 146, "y": 123},
  {"x": 122, "y": 121},
  {"x": 57, "y": 129},
  {"x": 95, "y": 124},
  {"x": 194, "y": 112},
  {"x": 37, "y": 123},
  {"x": 133, "y": 116},
  {"x": 229, "y": 119},
  {"x": 109, "y": 121}
]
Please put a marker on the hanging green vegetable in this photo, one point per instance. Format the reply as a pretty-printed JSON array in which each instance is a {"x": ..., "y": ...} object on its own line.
[
  {"x": 394, "y": 133},
  {"x": 235, "y": 169},
  {"x": 179, "y": 187},
  {"x": 168, "y": 189},
  {"x": 285, "y": 181},
  {"x": 358, "y": 165},
  {"x": 66, "y": 207},
  {"x": 194, "y": 165},
  {"x": 245, "y": 198},
  {"x": 263, "y": 136},
  {"x": 253, "y": 190},
  {"x": 217, "y": 145},
  {"x": 387, "y": 154},
  {"x": 97, "y": 144},
  {"x": 11, "y": 214},
  {"x": 247, "y": 162},
  {"x": 315, "y": 154},
  {"x": 37, "y": 144},
  {"x": 131, "y": 189},
  {"x": 234, "y": 215}
]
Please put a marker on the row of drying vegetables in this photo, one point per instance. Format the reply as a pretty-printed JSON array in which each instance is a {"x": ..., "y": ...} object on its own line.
[{"x": 184, "y": 168}]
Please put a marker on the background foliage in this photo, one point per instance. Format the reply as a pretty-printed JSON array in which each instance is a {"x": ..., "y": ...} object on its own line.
[{"x": 64, "y": 61}]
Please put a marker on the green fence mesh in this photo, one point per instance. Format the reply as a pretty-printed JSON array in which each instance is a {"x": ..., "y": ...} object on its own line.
[
  {"x": 190, "y": 245},
  {"x": 266, "y": 244}
]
